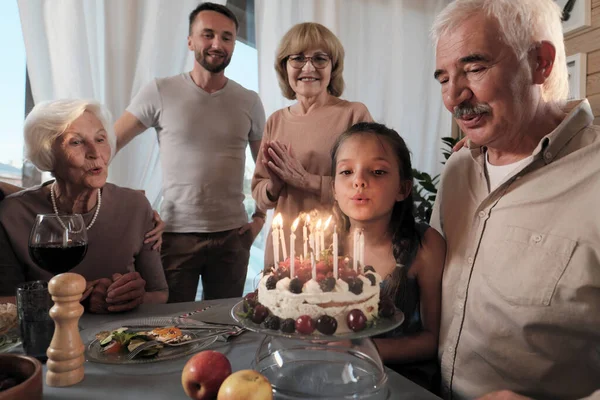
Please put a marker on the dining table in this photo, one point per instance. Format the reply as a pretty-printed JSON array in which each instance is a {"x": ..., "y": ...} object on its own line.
[{"x": 162, "y": 380}]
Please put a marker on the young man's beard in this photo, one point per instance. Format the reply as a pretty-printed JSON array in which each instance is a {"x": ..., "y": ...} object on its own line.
[{"x": 201, "y": 58}]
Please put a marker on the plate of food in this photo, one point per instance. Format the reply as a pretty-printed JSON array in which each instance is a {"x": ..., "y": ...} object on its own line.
[{"x": 116, "y": 346}]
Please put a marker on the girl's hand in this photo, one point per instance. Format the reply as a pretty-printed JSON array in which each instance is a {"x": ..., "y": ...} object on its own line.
[
  {"x": 287, "y": 167},
  {"x": 464, "y": 142}
]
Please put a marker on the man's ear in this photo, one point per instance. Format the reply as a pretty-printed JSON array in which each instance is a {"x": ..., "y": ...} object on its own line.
[
  {"x": 190, "y": 44},
  {"x": 545, "y": 54},
  {"x": 404, "y": 191}
]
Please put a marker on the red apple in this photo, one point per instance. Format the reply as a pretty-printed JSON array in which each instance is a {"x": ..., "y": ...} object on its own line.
[
  {"x": 204, "y": 373},
  {"x": 246, "y": 384}
]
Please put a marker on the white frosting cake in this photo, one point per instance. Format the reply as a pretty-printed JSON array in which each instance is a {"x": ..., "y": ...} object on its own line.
[{"x": 313, "y": 301}]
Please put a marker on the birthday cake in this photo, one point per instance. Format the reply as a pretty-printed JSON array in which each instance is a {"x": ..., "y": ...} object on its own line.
[
  {"x": 319, "y": 290},
  {"x": 352, "y": 300}
]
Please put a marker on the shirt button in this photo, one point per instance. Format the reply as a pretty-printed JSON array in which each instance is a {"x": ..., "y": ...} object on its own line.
[
  {"x": 537, "y": 238},
  {"x": 482, "y": 214},
  {"x": 470, "y": 260},
  {"x": 547, "y": 155},
  {"x": 460, "y": 306}
]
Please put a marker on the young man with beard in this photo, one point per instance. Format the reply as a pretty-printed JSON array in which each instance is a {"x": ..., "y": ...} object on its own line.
[
  {"x": 521, "y": 286},
  {"x": 204, "y": 122}
]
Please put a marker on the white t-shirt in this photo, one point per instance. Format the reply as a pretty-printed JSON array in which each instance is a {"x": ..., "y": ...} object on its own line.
[
  {"x": 203, "y": 138},
  {"x": 497, "y": 173}
]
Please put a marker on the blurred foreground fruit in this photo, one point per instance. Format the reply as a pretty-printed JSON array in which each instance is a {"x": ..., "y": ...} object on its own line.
[{"x": 246, "y": 384}]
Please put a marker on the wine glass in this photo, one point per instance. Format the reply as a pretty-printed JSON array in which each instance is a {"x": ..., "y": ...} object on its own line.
[{"x": 58, "y": 243}]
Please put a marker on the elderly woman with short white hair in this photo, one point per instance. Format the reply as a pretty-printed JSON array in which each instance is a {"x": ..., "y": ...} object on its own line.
[{"x": 74, "y": 140}]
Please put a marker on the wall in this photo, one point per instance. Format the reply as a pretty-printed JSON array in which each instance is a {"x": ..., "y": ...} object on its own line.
[{"x": 588, "y": 41}]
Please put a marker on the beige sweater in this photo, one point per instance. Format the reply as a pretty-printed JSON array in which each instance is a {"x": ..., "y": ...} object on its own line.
[{"x": 311, "y": 136}]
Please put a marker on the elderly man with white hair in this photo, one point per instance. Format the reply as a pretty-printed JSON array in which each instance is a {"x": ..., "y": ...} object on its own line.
[
  {"x": 521, "y": 287},
  {"x": 74, "y": 140}
]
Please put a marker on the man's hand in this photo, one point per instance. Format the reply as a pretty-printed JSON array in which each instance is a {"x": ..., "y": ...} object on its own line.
[
  {"x": 126, "y": 292},
  {"x": 155, "y": 235},
  {"x": 96, "y": 290},
  {"x": 504, "y": 395},
  {"x": 255, "y": 226},
  {"x": 286, "y": 165}
]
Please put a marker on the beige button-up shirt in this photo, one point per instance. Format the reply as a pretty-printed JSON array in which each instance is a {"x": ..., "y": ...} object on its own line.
[{"x": 521, "y": 286}]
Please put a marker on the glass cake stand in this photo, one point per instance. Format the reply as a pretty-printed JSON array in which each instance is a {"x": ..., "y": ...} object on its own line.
[{"x": 341, "y": 366}]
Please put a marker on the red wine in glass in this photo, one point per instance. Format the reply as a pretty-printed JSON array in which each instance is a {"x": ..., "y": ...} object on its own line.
[
  {"x": 55, "y": 258},
  {"x": 58, "y": 243}
]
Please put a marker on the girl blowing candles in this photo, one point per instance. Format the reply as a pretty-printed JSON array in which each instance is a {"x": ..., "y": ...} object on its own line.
[{"x": 372, "y": 188}]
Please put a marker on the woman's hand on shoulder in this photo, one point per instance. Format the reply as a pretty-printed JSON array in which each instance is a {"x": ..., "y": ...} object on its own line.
[
  {"x": 126, "y": 292},
  {"x": 155, "y": 235}
]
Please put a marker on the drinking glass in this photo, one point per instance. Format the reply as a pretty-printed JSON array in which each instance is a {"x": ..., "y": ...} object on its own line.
[
  {"x": 58, "y": 243},
  {"x": 37, "y": 327}
]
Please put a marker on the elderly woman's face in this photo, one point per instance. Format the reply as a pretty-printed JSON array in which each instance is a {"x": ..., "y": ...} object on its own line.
[
  {"x": 308, "y": 81},
  {"x": 82, "y": 153}
]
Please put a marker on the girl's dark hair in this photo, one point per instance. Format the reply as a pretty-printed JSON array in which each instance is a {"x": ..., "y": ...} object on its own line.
[{"x": 405, "y": 236}]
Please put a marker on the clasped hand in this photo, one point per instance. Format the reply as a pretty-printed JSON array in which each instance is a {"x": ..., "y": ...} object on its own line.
[
  {"x": 283, "y": 167},
  {"x": 120, "y": 293}
]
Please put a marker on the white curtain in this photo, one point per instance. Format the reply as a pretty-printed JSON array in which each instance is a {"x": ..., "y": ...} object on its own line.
[
  {"x": 107, "y": 50},
  {"x": 389, "y": 62}
]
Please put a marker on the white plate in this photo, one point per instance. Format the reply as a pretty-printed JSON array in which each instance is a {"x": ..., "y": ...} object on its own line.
[{"x": 380, "y": 325}]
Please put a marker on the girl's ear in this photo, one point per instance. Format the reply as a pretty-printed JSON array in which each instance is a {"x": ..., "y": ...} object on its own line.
[{"x": 404, "y": 190}]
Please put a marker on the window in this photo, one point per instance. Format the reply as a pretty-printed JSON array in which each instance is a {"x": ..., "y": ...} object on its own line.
[{"x": 12, "y": 96}]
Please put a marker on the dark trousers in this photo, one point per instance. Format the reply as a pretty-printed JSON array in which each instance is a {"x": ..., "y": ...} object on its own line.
[{"x": 220, "y": 258}]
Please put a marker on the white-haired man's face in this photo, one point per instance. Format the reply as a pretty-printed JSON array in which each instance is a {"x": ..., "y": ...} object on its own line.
[
  {"x": 484, "y": 85},
  {"x": 82, "y": 153}
]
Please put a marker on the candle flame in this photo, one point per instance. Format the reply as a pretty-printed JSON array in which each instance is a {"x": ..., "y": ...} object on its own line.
[
  {"x": 306, "y": 219},
  {"x": 277, "y": 221},
  {"x": 319, "y": 224},
  {"x": 327, "y": 223},
  {"x": 295, "y": 224}
]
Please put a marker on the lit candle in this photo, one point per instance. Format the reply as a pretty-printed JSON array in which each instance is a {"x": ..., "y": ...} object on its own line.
[
  {"x": 275, "y": 229},
  {"x": 314, "y": 265},
  {"x": 335, "y": 252},
  {"x": 282, "y": 237},
  {"x": 304, "y": 236},
  {"x": 318, "y": 240},
  {"x": 293, "y": 247},
  {"x": 311, "y": 238},
  {"x": 325, "y": 226},
  {"x": 361, "y": 251},
  {"x": 355, "y": 250}
]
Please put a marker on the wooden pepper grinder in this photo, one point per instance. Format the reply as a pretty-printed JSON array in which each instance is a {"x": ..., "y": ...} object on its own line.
[{"x": 65, "y": 354}]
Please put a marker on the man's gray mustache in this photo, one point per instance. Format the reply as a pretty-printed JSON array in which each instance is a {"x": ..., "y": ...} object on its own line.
[{"x": 468, "y": 109}]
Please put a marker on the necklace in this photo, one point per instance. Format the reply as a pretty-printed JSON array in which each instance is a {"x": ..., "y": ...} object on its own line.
[{"x": 53, "y": 197}]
